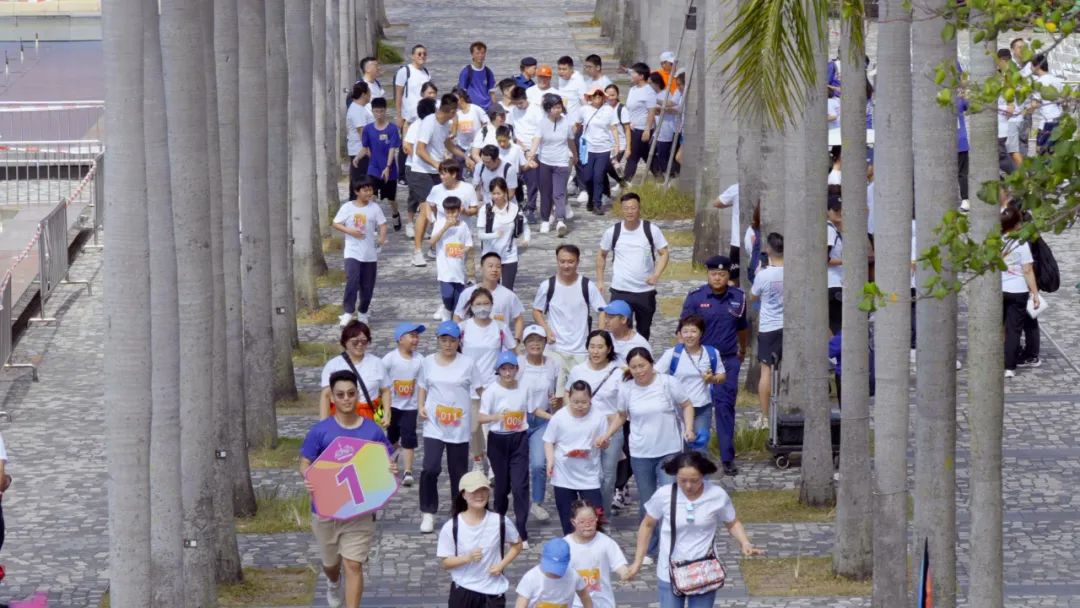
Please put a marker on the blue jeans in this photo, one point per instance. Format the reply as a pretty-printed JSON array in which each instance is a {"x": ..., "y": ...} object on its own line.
[
  {"x": 650, "y": 475},
  {"x": 593, "y": 175},
  {"x": 670, "y": 600},
  {"x": 609, "y": 464},
  {"x": 703, "y": 420},
  {"x": 537, "y": 460},
  {"x": 724, "y": 403},
  {"x": 450, "y": 292}
]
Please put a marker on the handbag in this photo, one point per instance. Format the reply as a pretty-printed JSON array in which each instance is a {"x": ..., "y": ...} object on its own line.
[{"x": 693, "y": 576}]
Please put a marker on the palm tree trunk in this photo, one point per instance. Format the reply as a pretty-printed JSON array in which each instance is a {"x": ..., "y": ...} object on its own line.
[
  {"x": 322, "y": 79},
  {"x": 892, "y": 325},
  {"x": 346, "y": 71},
  {"x": 127, "y": 309},
  {"x": 934, "y": 138},
  {"x": 166, "y": 503},
  {"x": 232, "y": 435},
  {"x": 281, "y": 271},
  {"x": 261, "y": 419},
  {"x": 333, "y": 127},
  {"x": 854, "y": 556},
  {"x": 302, "y": 151},
  {"x": 185, "y": 89},
  {"x": 751, "y": 163},
  {"x": 986, "y": 395},
  {"x": 773, "y": 189}
]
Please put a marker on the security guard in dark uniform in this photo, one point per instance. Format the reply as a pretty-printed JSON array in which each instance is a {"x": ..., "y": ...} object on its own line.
[{"x": 727, "y": 330}]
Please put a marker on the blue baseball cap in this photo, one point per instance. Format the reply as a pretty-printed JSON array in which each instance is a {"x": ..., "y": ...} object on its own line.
[
  {"x": 506, "y": 357},
  {"x": 556, "y": 557},
  {"x": 448, "y": 328},
  {"x": 618, "y": 307},
  {"x": 405, "y": 328}
]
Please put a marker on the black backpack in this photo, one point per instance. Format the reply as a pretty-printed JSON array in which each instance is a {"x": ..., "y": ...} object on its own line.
[
  {"x": 489, "y": 221},
  {"x": 584, "y": 294},
  {"x": 1047, "y": 275},
  {"x": 647, "y": 226}
]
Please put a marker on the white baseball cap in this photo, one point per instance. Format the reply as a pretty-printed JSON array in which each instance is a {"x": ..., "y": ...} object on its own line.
[
  {"x": 533, "y": 330},
  {"x": 667, "y": 56}
]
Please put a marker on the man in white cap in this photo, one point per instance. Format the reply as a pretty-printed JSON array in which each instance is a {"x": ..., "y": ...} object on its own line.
[{"x": 667, "y": 65}]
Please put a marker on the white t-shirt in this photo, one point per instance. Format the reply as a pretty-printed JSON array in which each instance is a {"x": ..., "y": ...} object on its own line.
[
  {"x": 591, "y": 83},
  {"x": 833, "y": 178},
  {"x": 670, "y": 120},
  {"x": 545, "y": 592},
  {"x": 597, "y": 123},
  {"x": 633, "y": 261},
  {"x": 1003, "y": 117},
  {"x": 835, "y": 240},
  {"x": 511, "y": 405},
  {"x": 376, "y": 89},
  {"x": 568, "y": 315},
  {"x": 411, "y": 94},
  {"x": 555, "y": 141},
  {"x": 655, "y": 416},
  {"x": 692, "y": 539},
  {"x": 505, "y": 307},
  {"x": 450, "y": 251},
  {"x": 525, "y": 122},
  {"x": 501, "y": 238},
  {"x": 3, "y": 450},
  {"x": 538, "y": 381},
  {"x": 594, "y": 561},
  {"x": 356, "y": 118},
  {"x": 605, "y": 399},
  {"x": 449, "y": 398},
  {"x": 769, "y": 286},
  {"x": 482, "y": 177},
  {"x": 1046, "y": 110},
  {"x": 690, "y": 373},
  {"x": 465, "y": 192},
  {"x": 573, "y": 90},
  {"x": 410, "y": 138},
  {"x": 512, "y": 154},
  {"x": 536, "y": 96},
  {"x": 870, "y": 209},
  {"x": 474, "y": 576},
  {"x": 401, "y": 375},
  {"x": 622, "y": 118},
  {"x": 639, "y": 101},
  {"x": 469, "y": 123},
  {"x": 485, "y": 137},
  {"x": 367, "y": 219},
  {"x": 1012, "y": 278},
  {"x": 483, "y": 345},
  {"x": 434, "y": 135},
  {"x": 624, "y": 346},
  {"x": 730, "y": 196},
  {"x": 577, "y": 461},
  {"x": 372, "y": 372},
  {"x": 832, "y": 108}
]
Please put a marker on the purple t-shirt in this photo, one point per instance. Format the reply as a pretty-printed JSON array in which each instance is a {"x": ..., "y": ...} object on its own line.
[
  {"x": 325, "y": 431},
  {"x": 380, "y": 143}
]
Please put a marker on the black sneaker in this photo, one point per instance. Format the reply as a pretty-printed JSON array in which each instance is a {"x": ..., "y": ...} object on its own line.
[
  {"x": 730, "y": 469},
  {"x": 397, "y": 222},
  {"x": 1032, "y": 362},
  {"x": 530, "y": 216}
]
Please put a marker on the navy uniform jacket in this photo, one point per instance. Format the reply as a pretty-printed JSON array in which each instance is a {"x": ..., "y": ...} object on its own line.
[
  {"x": 523, "y": 82},
  {"x": 725, "y": 316}
]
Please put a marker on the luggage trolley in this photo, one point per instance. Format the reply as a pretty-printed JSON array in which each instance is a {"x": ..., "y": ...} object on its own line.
[{"x": 786, "y": 430}]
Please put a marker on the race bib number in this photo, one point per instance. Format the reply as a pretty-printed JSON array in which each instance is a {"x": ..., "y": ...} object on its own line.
[
  {"x": 455, "y": 250},
  {"x": 448, "y": 415},
  {"x": 499, "y": 318},
  {"x": 578, "y": 454},
  {"x": 404, "y": 388},
  {"x": 465, "y": 126},
  {"x": 550, "y": 605},
  {"x": 513, "y": 421},
  {"x": 591, "y": 576}
]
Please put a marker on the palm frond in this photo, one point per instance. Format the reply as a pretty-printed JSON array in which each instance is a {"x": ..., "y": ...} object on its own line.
[{"x": 772, "y": 68}]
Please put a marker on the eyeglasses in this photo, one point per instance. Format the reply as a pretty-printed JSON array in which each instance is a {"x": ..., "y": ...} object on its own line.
[
  {"x": 689, "y": 512},
  {"x": 345, "y": 395},
  {"x": 356, "y": 342}
]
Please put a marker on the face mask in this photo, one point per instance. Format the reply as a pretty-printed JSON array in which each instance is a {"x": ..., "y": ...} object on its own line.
[{"x": 481, "y": 312}]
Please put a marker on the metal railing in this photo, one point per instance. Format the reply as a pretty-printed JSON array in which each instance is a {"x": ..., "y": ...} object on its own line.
[
  {"x": 46, "y": 148},
  {"x": 52, "y": 233}
]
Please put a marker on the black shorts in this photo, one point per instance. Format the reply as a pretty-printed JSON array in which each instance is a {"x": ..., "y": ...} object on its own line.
[
  {"x": 402, "y": 427},
  {"x": 420, "y": 185},
  {"x": 387, "y": 190},
  {"x": 770, "y": 346},
  {"x": 733, "y": 255}
]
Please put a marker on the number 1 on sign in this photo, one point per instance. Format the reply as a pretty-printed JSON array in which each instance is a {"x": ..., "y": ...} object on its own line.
[{"x": 347, "y": 475}]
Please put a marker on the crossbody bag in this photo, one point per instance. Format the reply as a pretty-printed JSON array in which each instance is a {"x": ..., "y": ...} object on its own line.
[{"x": 693, "y": 576}]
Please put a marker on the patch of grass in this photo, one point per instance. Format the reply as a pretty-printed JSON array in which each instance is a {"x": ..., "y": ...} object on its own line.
[
  {"x": 333, "y": 277},
  {"x": 684, "y": 271},
  {"x": 323, "y": 315},
  {"x": 670, "y": 306},
  {"x": 285, "y": 456},
  {"x": 294, "y": 586},
  {"x": 333, "y": 244},
  {"x": 660, "y": 203},
  {"x": 305, "y": 403},
  {"x": 593, "y": 21},
  {"x": 798, "y": 577},
  {"x": 388, "y": 53},
  {"x": 749, "y": 444},
  {"x": 746, "y": 400},
  {"x": 777, "y": 507},
  {"x": 680, "y": 238},
  {"x": 314, "y": 354},
  {"x": 277, "y": 513}
]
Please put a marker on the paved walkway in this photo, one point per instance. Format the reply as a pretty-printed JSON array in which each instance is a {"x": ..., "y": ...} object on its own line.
[{"x": 56, "y": 511}]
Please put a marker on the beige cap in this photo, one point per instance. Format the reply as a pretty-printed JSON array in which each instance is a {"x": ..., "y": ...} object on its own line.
[{"x": 473, "y": 481}]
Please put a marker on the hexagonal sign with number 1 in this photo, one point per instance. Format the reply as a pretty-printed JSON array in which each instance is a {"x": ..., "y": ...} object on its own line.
[{"x": 351, "y": 477}]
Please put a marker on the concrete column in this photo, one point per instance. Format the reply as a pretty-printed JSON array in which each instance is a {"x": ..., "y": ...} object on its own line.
[{"x": 605, "y": 13}]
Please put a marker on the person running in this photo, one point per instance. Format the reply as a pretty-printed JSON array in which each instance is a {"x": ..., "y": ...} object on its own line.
[
  {"x": 402, "y": 370},
  {"x": 620, "y": 326},
  {"x": 433, "y": 146},
  {"x": 598, "y": 125},
  {"x": 641, "y": 255},
  {"x": 503, "y": 230},
  {"x": 451, "y": 238},
  {"x": 355, "y": 338},
  {"x": 432, "y": 211},
  {"x": 472, "y": 547},
  {"x": 698, "y": 507},
  {"x": 552, "y": 584},
  {"x": 356, "y": 118},
  {"x": 471, "y": 120},
  {"x": 525, "y": 118},
  {"x": 382, "y": 144},
  {"x": 553, "y": 153},
  {"x": 505, "y": 409},
  {"x": 769, "y": 288},
  {"x": 360, "y": 220},
  {"x": 697, "y": 368},
  {"x": 641, "y": 102},
  {"x": 594, "y": 555},
  {"x": 342, "y": 542},
  {"x": 603, "y": 374},
  {"x": 476, "y": 78},
  {"x": 419, "y": 184},
  {"x": 506, "y": 307},
  {"x": 527, "y": 73},
  {"x": 482, "y": 337},
  {"x": 444, "y": 400},
  {"x": 573, "y": 441},
  {"x": 538, "y": 375}
]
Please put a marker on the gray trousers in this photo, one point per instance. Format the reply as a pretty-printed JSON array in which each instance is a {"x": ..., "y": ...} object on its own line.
[{"x": 553, "y": 190}]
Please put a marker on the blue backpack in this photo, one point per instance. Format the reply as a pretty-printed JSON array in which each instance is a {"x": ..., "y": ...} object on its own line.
[{"x": 714, "y": 358}]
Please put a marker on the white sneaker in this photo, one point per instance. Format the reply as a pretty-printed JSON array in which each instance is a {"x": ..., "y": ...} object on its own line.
[
  {"x": 363, "y": 318},
  {"x": 583, "y": 197},
  {"x": 545, "y": 227},
  {"x": 445, "y": 315},
  {"x": 438, "y": 312},
  {"x": 965, "y": 206},
  {"x": 418, "y": 259},
  {"x": 429, "y": 253},
  {"x": 648, "y": 561},
  {"x": 1010, "y": 373},
  {"x": 570, "y": 212},
  {"x": 410, "y": 232},
  {"x": 538, "y": 512},
  {"x": 524, "y": 545},
  {"x": 334, "y": 593},
  {"x": 615, "y": 187},
  {"x": 561, "y": 229},
  {"x": 427, "y": 523},
  {"x": 344, "y": 319},
  {"x": 958, "y": 364}
]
